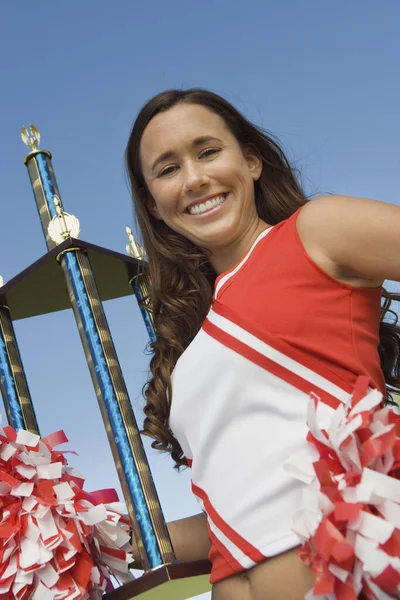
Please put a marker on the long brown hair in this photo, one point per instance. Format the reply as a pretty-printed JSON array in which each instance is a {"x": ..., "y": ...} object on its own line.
[{"x": 181, "y": 275}]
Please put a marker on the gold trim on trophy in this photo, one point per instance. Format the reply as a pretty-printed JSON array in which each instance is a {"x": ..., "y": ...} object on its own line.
[
  {"x": 31, "y": 136},
  {"x": 133, "y": 248},
  {"x": 130, "y": 425},
  {"x": 63, "y": 225},
  {"x": 39, "y": 192},
  {"x": 18, "y": 374},
  {"x": 61, "y": 254},
  {"x": 141, "y": 276}
]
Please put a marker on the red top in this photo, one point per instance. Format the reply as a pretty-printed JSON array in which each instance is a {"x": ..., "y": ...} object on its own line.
[
  {"x": 279, "y": 329},
  {"x": 334, "y": 323}
]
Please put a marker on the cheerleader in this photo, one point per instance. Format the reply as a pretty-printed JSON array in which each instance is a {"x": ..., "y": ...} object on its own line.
[{"x": 272, "y": 367}]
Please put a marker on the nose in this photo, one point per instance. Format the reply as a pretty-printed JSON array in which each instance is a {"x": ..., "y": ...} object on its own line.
[{"x": 195, "y": 176}]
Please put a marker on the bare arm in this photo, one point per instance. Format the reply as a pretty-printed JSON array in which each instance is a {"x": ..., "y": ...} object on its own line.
[
  {"x": 359, "y": 235},
  {"x": 189, "y": 537}
]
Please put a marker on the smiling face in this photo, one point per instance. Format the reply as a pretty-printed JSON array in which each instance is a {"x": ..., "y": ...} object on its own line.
[{"x": 201, "y": 181}]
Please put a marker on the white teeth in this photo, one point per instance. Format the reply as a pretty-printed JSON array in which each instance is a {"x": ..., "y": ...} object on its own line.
[{"x": 198, "y": 209}]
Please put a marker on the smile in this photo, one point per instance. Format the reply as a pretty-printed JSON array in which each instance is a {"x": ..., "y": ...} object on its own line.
[{"x": 207, "y": 206}]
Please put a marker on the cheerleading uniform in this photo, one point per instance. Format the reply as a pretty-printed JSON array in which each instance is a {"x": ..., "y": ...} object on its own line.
[{"x": 279, "y": 328}]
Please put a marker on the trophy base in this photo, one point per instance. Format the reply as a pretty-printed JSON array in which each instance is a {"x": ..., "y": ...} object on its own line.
[{"x": 176, "y": 581}]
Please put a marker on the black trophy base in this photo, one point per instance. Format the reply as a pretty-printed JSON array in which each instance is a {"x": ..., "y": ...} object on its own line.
[{"x": 176, "y": 581}]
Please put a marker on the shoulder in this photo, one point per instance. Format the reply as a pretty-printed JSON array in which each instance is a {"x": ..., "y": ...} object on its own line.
[
  {"x": 336, "y": 215},
  {"x": 320, "y": 219},
  {"x": 328, "y": 228},
  {"x": 325, "y": 210}
]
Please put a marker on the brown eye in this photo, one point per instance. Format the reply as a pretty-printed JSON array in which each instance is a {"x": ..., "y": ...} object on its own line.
[
  {"x": 167, "y": 171},
  {"x": 209, "y": 152}
]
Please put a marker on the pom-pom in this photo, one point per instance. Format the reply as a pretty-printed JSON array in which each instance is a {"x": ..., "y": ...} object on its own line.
[
  {"x": 57, "y": 542},
  {"x": 350, "y": 520}
]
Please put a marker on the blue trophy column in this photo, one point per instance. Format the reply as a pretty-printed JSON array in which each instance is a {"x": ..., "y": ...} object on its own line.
[
  {"x": 148, "y": 523},
  {"x": 140, "y": 283},
  {"x": 13, "y": 383}
]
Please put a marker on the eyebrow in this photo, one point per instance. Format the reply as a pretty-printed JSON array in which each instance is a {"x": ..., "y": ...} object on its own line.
[{"x": 199, "y": 141}]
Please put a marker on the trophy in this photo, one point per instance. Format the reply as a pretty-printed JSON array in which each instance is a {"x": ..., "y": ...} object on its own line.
[
  {"x": 74, "y": 273},
  {"x": 140, "y": 282}
]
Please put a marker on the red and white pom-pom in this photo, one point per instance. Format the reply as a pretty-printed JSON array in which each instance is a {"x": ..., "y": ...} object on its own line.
[
  {"x": 57, "y": 542},
  {"x": 350, "y": 521}
]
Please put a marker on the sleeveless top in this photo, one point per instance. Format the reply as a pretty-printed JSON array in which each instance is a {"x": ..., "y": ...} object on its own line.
[{"x": 279, "y": 328}]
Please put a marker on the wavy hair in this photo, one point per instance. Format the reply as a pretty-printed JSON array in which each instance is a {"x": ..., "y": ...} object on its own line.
[{"x": 182, "y": 278}]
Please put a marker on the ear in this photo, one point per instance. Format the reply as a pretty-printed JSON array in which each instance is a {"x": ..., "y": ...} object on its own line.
[{"x": 254, "y": 162}]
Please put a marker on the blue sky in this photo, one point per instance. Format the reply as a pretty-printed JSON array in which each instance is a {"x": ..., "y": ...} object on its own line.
[{"x": 323, "y": 76}]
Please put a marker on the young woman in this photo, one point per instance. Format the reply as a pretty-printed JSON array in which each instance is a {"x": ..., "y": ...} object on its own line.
[{"x": 259, "y": 298}]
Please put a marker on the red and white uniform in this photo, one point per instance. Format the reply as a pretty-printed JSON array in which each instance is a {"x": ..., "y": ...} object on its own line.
[{"x": 278, "y": 328}]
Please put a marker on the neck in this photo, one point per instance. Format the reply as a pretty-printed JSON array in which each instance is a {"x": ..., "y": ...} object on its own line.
[{"x": 225, "y": 258}]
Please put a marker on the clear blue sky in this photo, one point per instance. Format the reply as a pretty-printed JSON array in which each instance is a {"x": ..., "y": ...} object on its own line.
[{"x": 323, "y": 76}]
